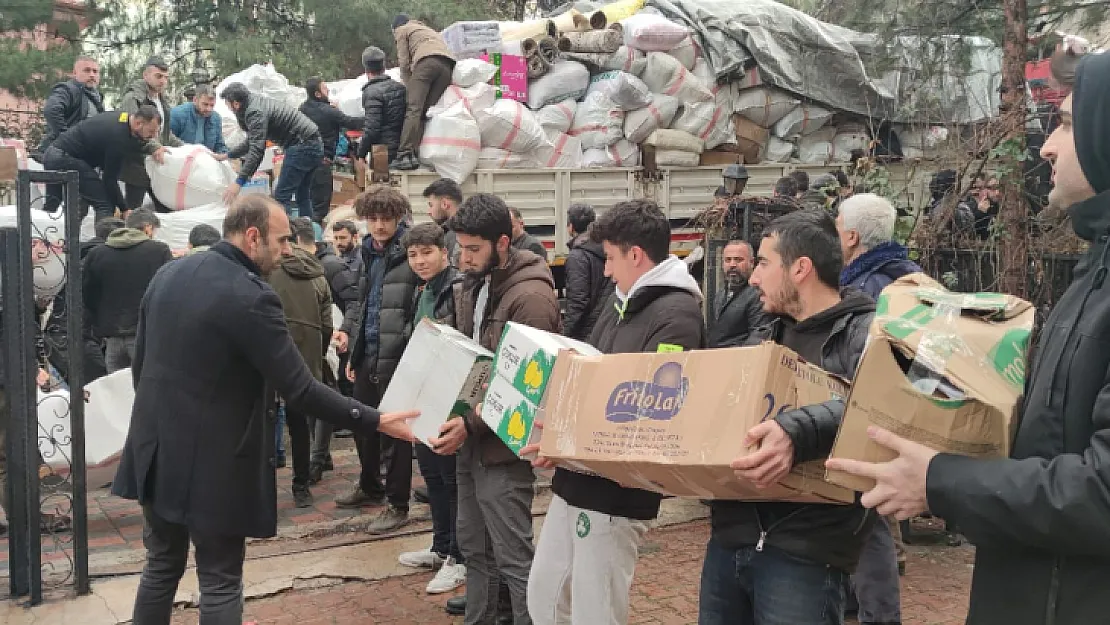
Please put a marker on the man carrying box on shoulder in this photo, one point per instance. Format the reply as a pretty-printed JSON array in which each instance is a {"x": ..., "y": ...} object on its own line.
[
  {"x": 495, "y": 486},
  {"x": 591, "y": 538},
  {"x": 788, "y": 562}
]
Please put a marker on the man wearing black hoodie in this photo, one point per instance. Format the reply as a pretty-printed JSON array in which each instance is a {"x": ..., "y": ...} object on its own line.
[
  {"x": 788, "y": 562},
  {"x": 330, "y": 121},
  {"x": 587, "y": 285},
  {"x": 1038, "y": 518},
  {"x": 114, "y": 279}
]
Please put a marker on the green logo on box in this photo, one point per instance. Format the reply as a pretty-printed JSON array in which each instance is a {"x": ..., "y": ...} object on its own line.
[
  {"x": 531, "y": 377},
  {"x": 516, "y": 425},
  {"x": 1008, "y": 357}
]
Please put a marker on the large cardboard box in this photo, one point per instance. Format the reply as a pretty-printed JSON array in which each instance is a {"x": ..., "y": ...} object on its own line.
[
  {"x": 721, "y": 157},
  {"x": 750, "y": 137},
  {"x": 522, "y": 370},
  {"x": 441, "y": 374},
  {"x": 943, "y": 369},
  {"x": 674, "y": 422},
  {"x": 344, "y": 189}
]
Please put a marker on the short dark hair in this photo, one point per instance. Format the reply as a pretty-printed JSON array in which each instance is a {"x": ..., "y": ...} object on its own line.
[
  {"x": 141, "y": 218},
  {"x": 786, "y": 186},
  {"x": 106, "y": 226},
  {"x": 810, "y": 233},
  {"x": 424, "y": 234},
  {"x": 236, "y": 92},
  {"x": 203, "y": 235},
  {"x": 312, "y": 85},
  {"x": 802, "y": 179},
  {"x": 516, "y": 212},
  {"x": 841, "y": 178},
  {"x": 445, "y": 187},
  {"x": 382, "y": 200},
  {"x": 345, "y": 224},
  {"x": 303, "y": 230},
  {"x": 635, "y": 222},
  {"x": 249, "y": 211},
  {"x": 148, "y": 112},
  {"x": 204, "y": 91},
  {"x": 483, "y": 215},
  {"x": 580, "y": 216}
]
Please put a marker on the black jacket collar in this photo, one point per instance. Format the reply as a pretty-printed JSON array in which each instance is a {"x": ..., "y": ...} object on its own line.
[{"x": 230, "y": 251}]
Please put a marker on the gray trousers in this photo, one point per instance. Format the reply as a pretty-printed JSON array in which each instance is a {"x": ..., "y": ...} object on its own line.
[
  {"x": 494, "y": 532},
  {"x": 876, "y": 581},
  {"x": 219, "y": 570},
  {"x": 321, "y": 440},
  {"x": 119, "y": 352}
]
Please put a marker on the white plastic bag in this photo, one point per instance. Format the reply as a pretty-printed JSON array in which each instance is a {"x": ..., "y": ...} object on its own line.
[
  {"x": 708, "y": 122},
  {"x": 625, "y": 90},
  {"x": 565, "y": 80},
  {"x": 816, "y": 148},
  {"x": 597, "y": 122},
  {"x": 495, "y": 158},
  {"x": 650, "y": 32},
  {"x": 509, "y": 125},
  {"x": 347, "y": 95},
  {"x": 849, "y": 137},
  {"x": 676, "y": 158},
  {"x": 561, "y": 151},
  {"x": 802, "y": 120},
  {"x": 623, "y": 153},
  {"x": 686, "y": 53},
  {"x": 777, "y": 150},
  {"x": 189, "y": 177},
  {"x": 626, "y": 59},
  {"x": 476, "y": 99},
  {"x": 666, "y": 139},
  {"x": 557, "y": 117},
  {"x": 764, "y": 105},
  {"x": 452, "y": 143},
  {"x": 469, "y": 72},
  {"x": 664, "y": 74},
  {"x": 638, "y": 125}
]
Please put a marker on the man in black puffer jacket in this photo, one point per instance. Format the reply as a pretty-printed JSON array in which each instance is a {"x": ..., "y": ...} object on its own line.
[
  {"x": 377, "y": 340},
  {"x": 383, "y": 103},
  {"x": 789, "y": 562},
  {"x": 330, "y": 121},
  {"x": 587, "y": 285},
  {"x": 70, "y": 103}
]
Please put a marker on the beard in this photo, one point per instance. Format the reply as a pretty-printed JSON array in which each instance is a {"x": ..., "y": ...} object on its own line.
[
  {"x": 264, "y": 259},
  {"x": 493, "y": 263},
  {"x": 786, "y": 302},
  {"x": 733, "y": 278}
]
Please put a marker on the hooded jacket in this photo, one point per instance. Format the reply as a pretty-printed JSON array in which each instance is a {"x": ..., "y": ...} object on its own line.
[
  {"x": 265, "y": 119},
  {"x": 114, "y": 278},
  {"x": 587, "y": 287},
  {"x": 663, "y": 307},
  {"x": 306, "y": 299},
  {"x": 528, "y": 242},
  {"x": 523, "y": 292},
  {"x": 822, "y": 533},
  {"x": 1038, "y": 519},
  {"x": 383, "y": 106},
  {"x": 416, "y": 42},
  {"x": 138, "y": 94},
  {"x": 69, "y": 104},
  {"x": 736, "y": 313},
  {"x": 876, "y": 268}
]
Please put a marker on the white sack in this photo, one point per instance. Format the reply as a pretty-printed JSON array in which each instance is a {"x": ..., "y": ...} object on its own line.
[
  {"x": 623, "y": 153},
  {"x": 803, "y": 120},
  {"x": 509, "y": 125},
  {"x": 638, "y": 125},
  {"x": 706, "y": 121},
  {"x": 777, "y": 150},
  {"x": 921, "y": 142},
  {"x": 649, "y": 32},
  {"x": 816, "y": 148},
  {"x": 452, "y": 143},
  {"x": 676, "y": 158},
  {"x": 849, "y": 137},
  {"x": 664, "y": 74},
  {"x": 469, "y": 72},
  {"x": 666, "y": 139},
  {"x": 561, "y": 151},
  {"x": 625, "y": 90},
  {"x": 476, "y": 99},
  {"x": 565, "y": 80},
  {"x": 495, "y": 158},
  {"x": 686, "y": 53},
  {"x": 557, "y": 117},
  {"x": 48, "y": 256},
  {"x": 597, "y": 122},
  {"x": 347, "y": 95},
  {"x": 764, "y": 105},
  {"x": 189, "y": 177}
]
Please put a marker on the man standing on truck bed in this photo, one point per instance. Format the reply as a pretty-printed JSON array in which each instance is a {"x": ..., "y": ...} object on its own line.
[{"x": 426, "y": 65}]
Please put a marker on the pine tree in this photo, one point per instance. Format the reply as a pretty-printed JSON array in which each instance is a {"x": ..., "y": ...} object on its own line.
[{"x": 27, "y": 71}]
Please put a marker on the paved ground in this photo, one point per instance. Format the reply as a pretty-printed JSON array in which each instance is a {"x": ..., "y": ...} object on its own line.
[{"x": 664, "y": 592}]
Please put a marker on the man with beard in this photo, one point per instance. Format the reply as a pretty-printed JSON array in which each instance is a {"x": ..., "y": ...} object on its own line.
[
  {"x": 495, "y": 486},
  {"x": 331, "y": 121},
  {"x": 70, "y": 103},
  {"x": 1038, "y": 518},
  {"x": 736, "y": 311},
  {"x": 773, "y": 561},
  {"x": 587, "y": 285},
  {"x": 444, "y": 197},
  {"x": 149, "y": 90}
]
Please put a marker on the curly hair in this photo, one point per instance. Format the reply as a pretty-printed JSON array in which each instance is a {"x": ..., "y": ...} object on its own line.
[{"x": 382, "y": 200}]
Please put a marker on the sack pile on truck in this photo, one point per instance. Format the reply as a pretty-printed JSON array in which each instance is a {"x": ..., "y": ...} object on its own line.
[
  {"x": 675, "y": 148},
  {"x": 557, "y": 118},
  {"x": 189, "y": 177},
  {"x": 598, "y": 122}
]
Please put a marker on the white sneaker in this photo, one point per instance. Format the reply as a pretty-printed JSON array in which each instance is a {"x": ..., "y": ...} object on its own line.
[
  {"x": 449, "y": 577},
  {"x": 421, "y": 559}
]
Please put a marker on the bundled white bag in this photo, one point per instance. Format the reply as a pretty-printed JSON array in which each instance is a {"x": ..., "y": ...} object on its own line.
[
  {"x": 566, "y": 80},
  {"x": 476, "y": 98},
  {"x": 189, "y": 177},
  {"x": 625, "y": 90},
  {"x": 638, "y": 125},
  {"x": 686, "y": 53},
  {"x": 557, "y": 117},
  {"x": 764, "y": 106},
  {"x": 347, "y": 95},
  {"x": 664, "y": 74},
  {"x": 509, "y": 125},
  {"x": 452, "y": 143},
  {"x": 707, "y": 121},
  {"x": 561, "y": 151},
  {"x": 597, "y": 122},
  {"x": 802, "y": 120},
  {"x": 777, "y": 150},
  {"x": 623, "y": 153},
  {"x": 816, "y": 148},
  {"x": 495, "y": 158},
  {"x": 921, "y": 142},
  {"x": 667, "y": 139},
  {"x": 850, "y": 137},
  {"x": 469, "y": 72},
  {"x": 676, "y": 158},
  {"x": 651, "y": 33}
]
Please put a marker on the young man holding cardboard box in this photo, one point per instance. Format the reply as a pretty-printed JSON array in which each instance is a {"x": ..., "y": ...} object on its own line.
[
  {"x": 788, "y": 562},
  {"x": 587, "y": 552},
  {"x": 495, "y": 486}
]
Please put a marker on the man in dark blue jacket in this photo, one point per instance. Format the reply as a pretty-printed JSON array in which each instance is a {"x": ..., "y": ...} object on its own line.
[{"x": 872, "y": 259}]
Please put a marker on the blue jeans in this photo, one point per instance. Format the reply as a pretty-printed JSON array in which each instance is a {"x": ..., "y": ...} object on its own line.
[
  {"x": 876, "y": 581},
  {"x": 769, "y": 587},
  {"x": 443, "y": 498},
  {"x": 297, "y": 169}
]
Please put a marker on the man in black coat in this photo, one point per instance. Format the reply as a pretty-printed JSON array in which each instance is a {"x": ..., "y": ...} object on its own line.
[
  {"x": 1038, "y": 518},
  {"x": 383, "y": 102},
  {"x": 736, "y": 310},
  {"x": 70, "y": 103},
  {"x": 587, "y": 285},
  {"x": 331, "y": 121},
  {"x": 213, "y": 352}
]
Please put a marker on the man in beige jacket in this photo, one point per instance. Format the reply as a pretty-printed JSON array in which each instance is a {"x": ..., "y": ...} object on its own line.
[{"x": 426, "y": 65}]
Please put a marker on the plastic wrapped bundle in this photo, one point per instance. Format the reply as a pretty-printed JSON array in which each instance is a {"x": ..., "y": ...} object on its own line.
[
  {"x": 469, "y": 72},
  {"x": 597, "y": 122},
  {"x": 476, "y": 99},
  {"x": 557, "y": 117},
  {"x": 189, "y": 177},
  {"x": 777, "y": 150},
  {"x": 561, "y": 151},
  {"x": 708, "y": 122},
  {"x": 495, "y": 158},
  {"x": 624, "y": 59},
  {"x": 685, "y": 53},
  {"x": 850, "y": 137},
  {"x": 452, "y": 143},
  {"x": 566, "y": 80},
  {"x": 664, "y": 74},
  {"x": 593, "y": 42},
  {"x": 676, "y": 158},
  {"x": 764, "y": 106},
  {"x": 623, "y": 153},
  {"x": 509, "y": 125},
  {"x": 816, "y": 148},
  {"x": 652, "y": 33},
  {"x": 347, "y": 95},
  {"x": 802, "y": 120},
  {"x": 470, "y": 39},
  {"x": 623, "y": 89},
  {"x": 638, "y": 125},
  {"x": 666, "y": 139}
]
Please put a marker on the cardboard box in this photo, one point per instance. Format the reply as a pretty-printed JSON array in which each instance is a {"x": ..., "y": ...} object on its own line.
[
  {"x": 974, "y": 342},
  {"x": 674, "y": 422},
  {"x": 522, "y": 369},
  {"x": 440, "y": 374},
  {"x": 750, "y": 137},
  {"x": 9, "y": 164},
  {"x": 721, "y": 157},
  {"x": 257, "y": 184},
  {"x": 344, "y": 189}
]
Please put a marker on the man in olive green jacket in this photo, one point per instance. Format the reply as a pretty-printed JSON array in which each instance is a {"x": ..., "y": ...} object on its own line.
[
  {"x": 150, "y": 89},
  {"x": 426, "y": 65}
]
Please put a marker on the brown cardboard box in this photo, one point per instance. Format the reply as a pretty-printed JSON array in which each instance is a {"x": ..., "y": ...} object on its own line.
[
  {"x": 9, "y": 164},
  {"x": 976, "y": 341},
  {"x": 673, "y": 422},
  {"x": 750, "y": 136},
  {"x": 721, "y": 157},
  {"x": 344, "y": 189}
]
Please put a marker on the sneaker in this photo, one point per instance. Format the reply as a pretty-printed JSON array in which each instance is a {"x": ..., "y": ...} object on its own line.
[
  {"x": 315, "y": 473},
  {"x": 421, "y": 559},
  {"x": 390, "y": 519},
  {"x": 449, "y": 577},
  {"x": 357, "y": 499},
  {"x": 302, "y": 497}
]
